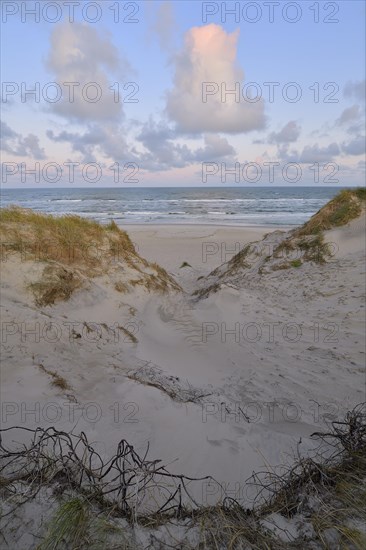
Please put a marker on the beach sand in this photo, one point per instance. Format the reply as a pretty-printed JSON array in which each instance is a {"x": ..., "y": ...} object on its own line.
[
  {"x": 204, "y": 247},
  {"x": 274, "y": 360}
]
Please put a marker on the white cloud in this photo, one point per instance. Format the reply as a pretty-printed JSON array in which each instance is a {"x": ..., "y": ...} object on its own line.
[
  {"x": 289, "y": 133},
  {"x": 80, "y": 54},
  {"x": 349, "y": 115},
  {"x": 209, "y": 55},
  {"x": 356, "y": 146},
  {"x": 162, "y": 152},
  {"x": 217, "y": 148},
  {"x": 314, "y": 153},
  {"x": 352, "y": 119},
  {"x": 106, "y": 141},
  {"x": 20, "y": 146},
  {"x": 356, "y": 89},
  {"x": 310, "y": 154}
]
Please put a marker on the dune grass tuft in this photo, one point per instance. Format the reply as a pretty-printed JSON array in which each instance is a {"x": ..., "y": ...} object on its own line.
[
  {"x": 68, "y": 239},
  {"x": 68, "y": 527},
  {"x": 120, "y": 286},
  {"x": 57, "y": 284},
  {"x": 343, "y": 208},
  {"x": 308, "y": 240},
  {"x": 290, "y": 249},
  {"x": 75, "y": 249}
]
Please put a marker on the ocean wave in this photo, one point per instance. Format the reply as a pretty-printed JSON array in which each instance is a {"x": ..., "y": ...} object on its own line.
[
  {"x": 143, "y": 212},
  {"x": 65, "y": 200},
  {"x": 197, "y": 206}
]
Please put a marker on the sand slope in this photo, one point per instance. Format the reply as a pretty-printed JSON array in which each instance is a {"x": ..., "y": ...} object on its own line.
[{"x": 221, "y": 385}]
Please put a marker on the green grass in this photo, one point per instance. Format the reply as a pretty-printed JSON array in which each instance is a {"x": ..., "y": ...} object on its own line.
[
  {"x": 314, "y": 248},
  {"x": 343, "y": 208},
  {"x": 309, "y": 239},
  {"x": 296, "y": 263},
  {"x": 311, "y": 248},
  {"x": 68, "y": 527}
]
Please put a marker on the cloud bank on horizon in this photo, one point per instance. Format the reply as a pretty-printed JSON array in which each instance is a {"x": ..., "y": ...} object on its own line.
[{"x": 170, "y": 93}]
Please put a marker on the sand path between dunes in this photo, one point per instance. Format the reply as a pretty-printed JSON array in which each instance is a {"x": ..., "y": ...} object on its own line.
[{"x": 264, "y": 390}]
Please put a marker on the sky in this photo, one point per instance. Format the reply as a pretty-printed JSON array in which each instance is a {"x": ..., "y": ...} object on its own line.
[{"x": 182, "y": 93}]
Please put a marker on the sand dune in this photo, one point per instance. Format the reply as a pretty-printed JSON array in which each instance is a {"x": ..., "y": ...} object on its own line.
[{"x": 229, "y": 375}]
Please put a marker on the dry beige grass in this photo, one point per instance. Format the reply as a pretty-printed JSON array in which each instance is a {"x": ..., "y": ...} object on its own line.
[
  {"x": 120, "y": 286},
  {"x": 70, "y": 240},
  {"x": 291, "y": 249},
  {"x": 129, "y": 335},
  {"x": 346, "y": 206},
  {"x": 75, "y": 249},
  {"x": 320, "y": 498},
  {"x": 57, "y": 380},
  {"x": 57, "y": 284},
  {"x": 309, "y": 240}
]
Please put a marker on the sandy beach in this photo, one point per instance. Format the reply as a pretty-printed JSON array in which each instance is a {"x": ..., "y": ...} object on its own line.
[
  {"x": 204, "y": 247},
  {"x": 286, "y": 345},
  {"x": 227, "y": 371}
]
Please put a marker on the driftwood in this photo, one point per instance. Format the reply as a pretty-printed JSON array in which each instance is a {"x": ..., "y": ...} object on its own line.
[{"x": 127, "y": 483}]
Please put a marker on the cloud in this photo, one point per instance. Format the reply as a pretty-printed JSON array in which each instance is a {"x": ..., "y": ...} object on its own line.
[
  {"x": 209, "y": 56},
  {"x": 289, "y": 133},
  {"x": 6, "y": 132},
  {"x": 355, "y": 147},
  {"x": 216, "y": 148},
  {"x": 162, "y": 151},
  {"x": 355, "y": 89},
  {"x": 349, "y": 115},
  {"x": 106, "y": 141},
  {"x": 154, "y": 135},
  {"x": 80, "y": 54},
  {"x": 81, "y": 143},
  {"x": 310, "y": 154},
  {"x": 165, "y": 25},
  {"x": 20, "y": 146},
  {"x": 353, "y": 118},
  {"x": 314, "y": 153}
]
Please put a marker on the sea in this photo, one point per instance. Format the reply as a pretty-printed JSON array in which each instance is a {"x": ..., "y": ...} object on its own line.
[{"x": 246, "y": 206}]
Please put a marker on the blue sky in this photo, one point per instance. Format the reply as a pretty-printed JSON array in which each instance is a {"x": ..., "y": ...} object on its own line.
[{"x": 169, "y": 134}]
